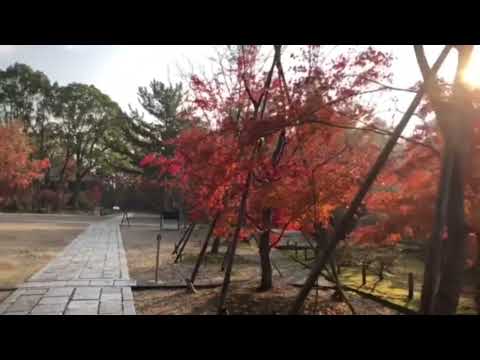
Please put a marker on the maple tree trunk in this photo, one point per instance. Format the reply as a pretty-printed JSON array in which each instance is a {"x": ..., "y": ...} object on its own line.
[
  {"x": 456, "y": 243},
  {"x": 265, "y": 263},
  {"x": 455, "y": 254},
  {"x": 433, "y": 264},
  {"x": 215, "y": 245},
  {"x": 266, "y": 282},
  {"x": 445, "y": 265},
  {"x": 455, "y": 247},
  {"x": 340, "y": 231}
]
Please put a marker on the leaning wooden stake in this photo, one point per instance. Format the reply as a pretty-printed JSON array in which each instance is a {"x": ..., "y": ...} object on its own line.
[
  {"x": 204, "y": 249},
  {"x": 180, "y": 251},
  {"x": 180, "y": 242},
  {"x": 340, "y": 230},
  {"x": 231, "y": 254}
]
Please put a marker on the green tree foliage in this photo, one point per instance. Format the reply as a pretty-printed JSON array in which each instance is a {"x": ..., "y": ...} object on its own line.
[
  {"x": 26, "y": 95},
  {"x": 141, "y": 136},
  {"x": 87, "y": 122}
]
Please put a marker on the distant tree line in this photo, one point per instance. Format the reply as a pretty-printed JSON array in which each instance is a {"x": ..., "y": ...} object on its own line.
[{"x": 91, "y": 143}]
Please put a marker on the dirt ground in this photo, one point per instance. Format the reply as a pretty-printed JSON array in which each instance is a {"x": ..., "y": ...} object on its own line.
[
  {"x": 244, "y": 300},
  {"x": 140, "y": 243},
  {"x": 29, "y": 242},
  {"x": 141, "y": 246}
]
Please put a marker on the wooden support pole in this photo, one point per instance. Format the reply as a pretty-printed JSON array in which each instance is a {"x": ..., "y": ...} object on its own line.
[
  {"x": 159, "y": 237},
  {"x": 380, "y": 273},
  {"x": 410, "y": 286},
  {"x": 125, "y": 218},
  {"x": 204, "y": 249},
  {"x": 231, "y": 255},
  {"x": 179, "y": 243},
  {"x": 224, "y": 261},
  {"x": 364, "y": 273},
  {"x": 180, "y": 251}
]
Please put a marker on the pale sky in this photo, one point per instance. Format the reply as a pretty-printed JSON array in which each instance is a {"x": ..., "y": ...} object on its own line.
[{"x": 118, "y": 70}]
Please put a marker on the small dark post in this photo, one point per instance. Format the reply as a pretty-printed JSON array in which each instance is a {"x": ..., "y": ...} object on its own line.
[
  {"x": 225, "y": 257},
  {"x": 159, "y": 237},
  {"x": 125, "y": 217},
  {"x": 296, "y": 250},
  {"x": 382, "y": 267},
  {"x": 364, "y": 273},
  {"x": 410, "y": 286},
  {"x": 305, "y": 254}
]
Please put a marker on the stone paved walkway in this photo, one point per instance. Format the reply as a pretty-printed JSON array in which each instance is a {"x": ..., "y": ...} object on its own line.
[{"x": 90, "y": 277}]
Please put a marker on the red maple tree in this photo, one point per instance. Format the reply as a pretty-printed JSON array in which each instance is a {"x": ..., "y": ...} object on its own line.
[
  {"x": 240, "y": 115},
  {"x": 17, "y": 169}
]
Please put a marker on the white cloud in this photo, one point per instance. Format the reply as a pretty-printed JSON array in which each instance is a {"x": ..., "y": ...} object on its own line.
[
  {"x": 72, "y": 47},
  {"x": 7, "y": 49}
]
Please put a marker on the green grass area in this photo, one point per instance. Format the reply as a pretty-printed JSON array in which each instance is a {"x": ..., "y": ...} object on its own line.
[{"x": 394, "y": 286}]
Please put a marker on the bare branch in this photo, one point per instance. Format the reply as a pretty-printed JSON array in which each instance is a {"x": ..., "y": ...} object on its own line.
[{"x": 374, "y": 130}]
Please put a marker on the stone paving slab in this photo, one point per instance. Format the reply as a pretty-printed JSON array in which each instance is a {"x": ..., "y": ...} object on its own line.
[
  {"x": 75, "y": 308},
  {"x": 127, "y": 294},
  {"x": 111, "y": 298},
  {"x": 3, "y": 307},
  {"x": 39, "y": 291},
  {"x": 83, "y": 304},
  {"x": 101, "y": 282},
  {"x": 90, "y": 277},
  {"x": 110, "y": 307},
  {"x": 62, "y": 291},
  {"x": 129, "y": 308},
  {"x": 49, "y": 309},
  {"x": 87, "y": 293},
  {"x": 24, "y": 303},
  {"x": 54, "y": 300}
]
